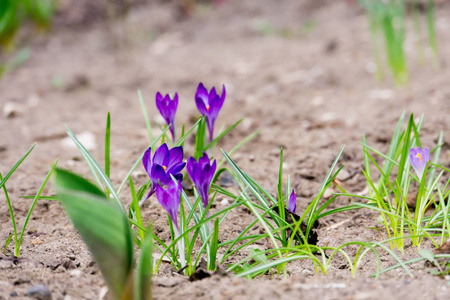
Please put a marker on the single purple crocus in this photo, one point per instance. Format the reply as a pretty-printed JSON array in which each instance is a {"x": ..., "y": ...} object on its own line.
[
  {"x": 419, "y": 159},
  {"x": 170, "y": 200},
  {"x": 167, "y": 108},
  {"x": 292, "y": 204},
  {"x": 201, "y": 173},
  {"x": 165, "y": 163},
  {"x": 209, "y": 105}
]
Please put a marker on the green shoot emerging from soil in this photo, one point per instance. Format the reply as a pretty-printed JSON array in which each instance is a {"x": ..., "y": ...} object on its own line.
[{"x": 19, "y": 238}]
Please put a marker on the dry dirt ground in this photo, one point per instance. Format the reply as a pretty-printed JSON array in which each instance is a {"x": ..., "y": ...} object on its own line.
[{"x": 299, "y": 71}]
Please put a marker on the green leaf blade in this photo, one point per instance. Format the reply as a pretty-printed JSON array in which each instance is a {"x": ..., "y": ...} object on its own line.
[{"x": 102, "y": 225}]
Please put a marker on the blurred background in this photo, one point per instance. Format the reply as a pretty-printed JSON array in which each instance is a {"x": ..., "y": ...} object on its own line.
[{"x": 290, "y": 67}]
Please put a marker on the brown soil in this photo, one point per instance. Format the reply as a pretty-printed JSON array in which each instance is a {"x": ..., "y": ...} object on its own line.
[{"x": 297, "y": 70}]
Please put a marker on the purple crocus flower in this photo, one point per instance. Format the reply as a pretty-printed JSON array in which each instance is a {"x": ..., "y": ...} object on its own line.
[
  {"x": 170, "y": 200},
  {"x": 167, "y": 108},
  {"x": 165, "y": 163},
  {"x": 201, "y": 173},
  {"x": 209, "y": 105},
  {"x": 419, "y": 159},
  {"x": 292, "y": 204}
]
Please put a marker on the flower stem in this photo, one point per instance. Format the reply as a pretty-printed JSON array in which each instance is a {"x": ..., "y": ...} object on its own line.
[{"x": 180, "y": 244}]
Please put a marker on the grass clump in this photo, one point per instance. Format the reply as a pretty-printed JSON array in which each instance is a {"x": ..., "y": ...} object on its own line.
[{"x": 388, "y": 21}]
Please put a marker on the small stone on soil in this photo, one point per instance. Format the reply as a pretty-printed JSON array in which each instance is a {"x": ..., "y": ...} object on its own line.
[
  {"x": 40, "y": 292},
  {"x": 12, "y": 109},
  {"x": 227, "y": 180}
]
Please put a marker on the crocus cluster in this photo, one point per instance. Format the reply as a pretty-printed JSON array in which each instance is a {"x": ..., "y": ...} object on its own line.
[
  {"x": 201, "y": 173},
  {"x": 209, "y": 105},
  {"x": 419, "y": 159},
  {"x": 165, "y": 163},
  {"x": 167, "y": 108}
]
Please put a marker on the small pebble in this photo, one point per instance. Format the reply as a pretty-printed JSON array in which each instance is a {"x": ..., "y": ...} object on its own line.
[
  {"x": 343, "y": 175},
  {"x": 75, "y": 273},
  {"x": 40, "y": 292},
  {"x": 12, "y": 109},
  {"x": 227, "y": 180}
]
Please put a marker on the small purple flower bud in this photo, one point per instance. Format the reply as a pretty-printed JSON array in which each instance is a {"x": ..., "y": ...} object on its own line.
[
  {"x": 419, "y": 159},
  {"x": 202, "y": 173},
  {"x": 170, "y": 200},
  {"x": 292, "y": 205},
  {"x": 209, "y": 105},
  {"x": 167, "y": 108},
  {"x": 165, "y": 163}
]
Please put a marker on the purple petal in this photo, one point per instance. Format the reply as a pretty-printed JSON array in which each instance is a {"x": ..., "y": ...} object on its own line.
[
  {"x": 292, "y": 205},
  {"x": 174, "y": 187},
  {"x": 170, "y": 201},
  {"x": 208, "y": 173},
  {"x": 175, "y": 156},
  {"x": 163, "y": 197},
  {"x": 426, "y": 154},
  {"x": 204, "y": 194},
  {"x": 161, "y": 156},
  {"x": 202, "y": 98},
  {"x": 158, "y": 97},
  {"x": 210, "y": 123},
  {"x": 158, "y": 174},
  {"x": 191, "y": 162},
  {"x": 212, "y": 94},
  {"x": 147, "y": 160},
  {"x": 175, "y": 101},
  {"x": 201, "y": 106},
  {"x": 213, "y": 169},
  {"x": 204, "y": 159},
  {"x": 418, "y": 163},
  {"x": 419, "y": 159},
  {"x": 166, "y": 107},
  {"x": 197, "y": 175},
  {"x": 215, "y": 106},
  {"x": 202, "y": 92},
  {"x": 224, "y": 93},
  {"x": 411, "y": 155},
  {"x": 176, "y": 168},
  {"x": 178, "y": 177},
  {"x": 201, "y": 173}
]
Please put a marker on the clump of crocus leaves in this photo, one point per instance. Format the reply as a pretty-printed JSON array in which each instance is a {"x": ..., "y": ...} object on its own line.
[{"x": 401, "y": 198}]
